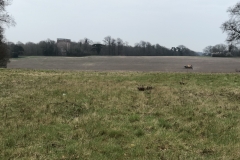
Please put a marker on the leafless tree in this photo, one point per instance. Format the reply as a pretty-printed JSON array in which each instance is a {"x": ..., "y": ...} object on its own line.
[
  {"x": 107, "y": 41},
  {"x": 208, "y": 51},
  {"x": 232, "y": 26},
  {"x": 119, "y": 46},
  {"x": 5, "y": 19}
]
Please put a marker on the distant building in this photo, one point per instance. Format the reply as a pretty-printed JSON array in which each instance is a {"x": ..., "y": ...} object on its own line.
[{"x": 63, "y": 46}]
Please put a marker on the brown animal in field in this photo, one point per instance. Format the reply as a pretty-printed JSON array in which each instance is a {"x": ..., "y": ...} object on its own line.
[
  {"x": 182, "y": 83},
  {"x": 189, "y": 66},
  {"x": 142, "y": 88}
]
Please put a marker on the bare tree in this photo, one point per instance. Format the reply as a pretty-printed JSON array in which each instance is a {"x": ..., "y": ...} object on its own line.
[
  {"x": 207, "y": 51},
  {"x": 119, "y": 46},
  {"x": 107, "y": 40},
  {"x": 232, "y": 26},
  {"x": 220, "y": 48},
  {"x": 86, "y": 45},
  {"x": 113, "y": 46},
  {"x": 5, "y": 19}
]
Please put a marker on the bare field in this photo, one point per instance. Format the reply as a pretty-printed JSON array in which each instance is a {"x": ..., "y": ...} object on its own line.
[{"x": 125, "y": 63}]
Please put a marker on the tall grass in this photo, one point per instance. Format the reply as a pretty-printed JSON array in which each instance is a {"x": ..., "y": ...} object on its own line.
[{"x": 102, "y": 115}]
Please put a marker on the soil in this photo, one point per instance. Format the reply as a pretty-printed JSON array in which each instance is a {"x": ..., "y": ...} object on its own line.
[{"x": 133, "y": 63}]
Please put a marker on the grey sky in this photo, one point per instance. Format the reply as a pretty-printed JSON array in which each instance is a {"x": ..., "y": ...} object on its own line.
[{"x": 193, "y": 23}]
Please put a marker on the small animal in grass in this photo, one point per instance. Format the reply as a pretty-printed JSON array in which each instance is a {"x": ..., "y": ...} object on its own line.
[
  {"x": 142, "y": 88},
  {"x": 182, "y": 83},
  {"x": 149, "y": 88},
  {"x": 189, "y": 66}
]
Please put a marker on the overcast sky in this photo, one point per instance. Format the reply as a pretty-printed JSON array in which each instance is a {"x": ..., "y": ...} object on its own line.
[{"x": 193, "y": 23}]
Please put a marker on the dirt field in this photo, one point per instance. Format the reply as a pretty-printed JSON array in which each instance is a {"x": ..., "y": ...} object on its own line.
[{"x": 123, "y": 63}]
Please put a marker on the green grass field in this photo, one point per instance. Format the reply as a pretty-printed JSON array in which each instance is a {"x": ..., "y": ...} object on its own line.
[{"x": 103, "y": 115}]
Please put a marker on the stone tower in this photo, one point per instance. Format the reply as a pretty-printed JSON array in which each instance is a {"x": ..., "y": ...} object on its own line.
[{"x": 63, "y": 46}]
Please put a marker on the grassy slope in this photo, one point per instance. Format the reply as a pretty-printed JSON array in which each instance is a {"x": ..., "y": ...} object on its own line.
[{"x": 101, "y": 115}]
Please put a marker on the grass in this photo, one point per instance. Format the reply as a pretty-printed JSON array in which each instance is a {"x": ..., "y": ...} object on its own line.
[{"x": 102, "y": 115}]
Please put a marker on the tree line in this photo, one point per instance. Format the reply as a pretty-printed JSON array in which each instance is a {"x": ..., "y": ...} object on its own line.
[
  {"x": 222, "y": 50},
  {"x": 85, "y": 47}
]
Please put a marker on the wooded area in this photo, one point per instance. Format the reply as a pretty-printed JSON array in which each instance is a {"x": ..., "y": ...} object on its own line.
[
  {"x": 115, "y": 47},
  {"x": 85, "y": 47}
]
